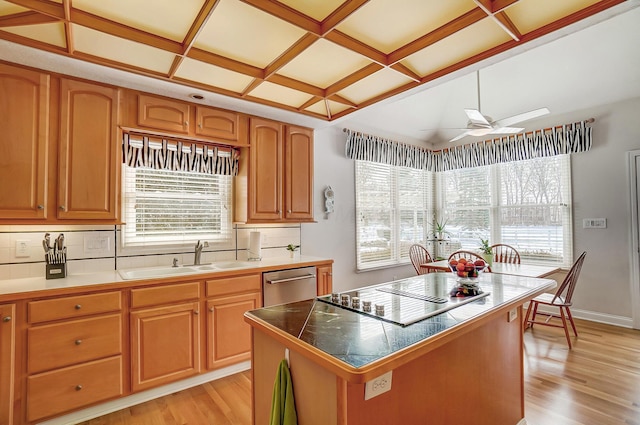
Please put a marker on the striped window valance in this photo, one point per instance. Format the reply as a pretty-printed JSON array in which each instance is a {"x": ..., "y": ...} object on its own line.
[
  {"x": 566, "y": 139},
  {"x": 169, "y": 154}
]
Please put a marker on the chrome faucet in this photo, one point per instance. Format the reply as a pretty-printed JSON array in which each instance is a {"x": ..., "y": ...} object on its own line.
[{"x": 198, "y": 252}]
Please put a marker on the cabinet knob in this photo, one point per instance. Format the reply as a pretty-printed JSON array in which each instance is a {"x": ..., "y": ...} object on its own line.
[
  {"x": 186, "y": 123},
  {"x": 78, "y": 387},
  {"x": 63, "y": 208},
  {"x": 78, "y": 306},
  {"x": 40, "y": 207},
  {"x": 6, "y": 319},
  {"x": 196, "y": 312},
  {"x": 78, "y": 341},
  {"x": 211, "y": 309},
  {"x": 289, "y": 211}
]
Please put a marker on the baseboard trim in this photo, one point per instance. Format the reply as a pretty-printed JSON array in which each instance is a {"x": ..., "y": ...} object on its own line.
[{"x": 132, "y": 400}]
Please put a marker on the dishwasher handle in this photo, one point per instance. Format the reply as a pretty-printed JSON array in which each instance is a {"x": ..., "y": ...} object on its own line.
[{"x": 291, "y": 279}]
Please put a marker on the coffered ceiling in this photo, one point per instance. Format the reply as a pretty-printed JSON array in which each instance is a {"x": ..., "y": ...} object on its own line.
[{"x": 321, "y": 58}]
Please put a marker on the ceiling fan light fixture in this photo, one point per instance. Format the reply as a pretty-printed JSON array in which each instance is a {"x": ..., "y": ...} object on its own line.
[{"x": 479, "y": 131}]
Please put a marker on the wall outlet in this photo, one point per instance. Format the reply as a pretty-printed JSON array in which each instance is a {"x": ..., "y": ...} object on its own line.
[
  {"x": 594, "y": 223},
  {"x": 22, "y": 249},
  {"x": 377, "y": 386}
]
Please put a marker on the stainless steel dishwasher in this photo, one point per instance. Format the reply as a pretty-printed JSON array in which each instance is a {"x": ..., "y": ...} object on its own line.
[{"x": 287, "y": 286}]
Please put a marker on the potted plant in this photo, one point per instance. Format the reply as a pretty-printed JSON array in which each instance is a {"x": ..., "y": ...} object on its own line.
[
  {"x": 439, "y": 229},
  {"x": 292, "y": 249},
  {"x": 487, "y": 253}
]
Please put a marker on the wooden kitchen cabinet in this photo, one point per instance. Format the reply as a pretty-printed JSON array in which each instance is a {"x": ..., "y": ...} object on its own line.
[
  {"x": 24, "y": 120},
  {"x": 324, "y": 279},
  {"x": 228, "y": 335},
  {"x": 280, "y": 172},
  {"x": 89, "y": 157},
  {"x": 74, "y": 354},
  {"x": 298, "y": 177},
  {"x": 165, "y": 339},
  {"x": 7, "y": 362},
  {"x": 217, "y": 123},
  {"x": 163, "y": 114}
]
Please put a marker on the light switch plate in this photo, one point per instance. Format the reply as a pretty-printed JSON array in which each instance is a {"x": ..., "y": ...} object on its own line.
[
  {"x": 594, "y": 223},
  {"x": 513, "y": 315}
]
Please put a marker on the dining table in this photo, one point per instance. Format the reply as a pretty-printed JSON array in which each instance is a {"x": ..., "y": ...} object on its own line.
[{"x": 528, "y": 270}]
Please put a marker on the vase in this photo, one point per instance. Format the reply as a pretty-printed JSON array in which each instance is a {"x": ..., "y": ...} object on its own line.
[{"x": 488, "y": 258}]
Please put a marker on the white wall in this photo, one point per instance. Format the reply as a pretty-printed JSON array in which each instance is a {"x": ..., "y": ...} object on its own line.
[{"x": 600, "y": 189}]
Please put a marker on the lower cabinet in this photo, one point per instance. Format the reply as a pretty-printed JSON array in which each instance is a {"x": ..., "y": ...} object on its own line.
[
  {"x": 7, "y": 362},
  {"x": 165, "y": 339},
  {"x": 324, "y": 279},
  {"x": 74, "y": 353},
  {"x": 228, "y": 336}
]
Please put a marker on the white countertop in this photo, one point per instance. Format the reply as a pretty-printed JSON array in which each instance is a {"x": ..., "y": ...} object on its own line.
[{"x": 34, "y": 284}]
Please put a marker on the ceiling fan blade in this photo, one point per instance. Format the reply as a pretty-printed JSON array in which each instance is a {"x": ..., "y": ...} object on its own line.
[
  {"x": 506, "y": 130},
  {"x": 506, "y": 122},
  {"x": 459, "y": 136},
  {"x": 477, "y": 118}
]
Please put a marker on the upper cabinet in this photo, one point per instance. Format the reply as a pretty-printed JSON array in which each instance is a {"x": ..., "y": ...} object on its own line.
[
  {"x": 186, "y": 119},
  {"x": 89, "y": 152},
  {"x": 24, "y": 120},
  {"x": 280, "y": 172},
  {"x": 163, "y": 114},
  {"x": 217, "y": 123}
]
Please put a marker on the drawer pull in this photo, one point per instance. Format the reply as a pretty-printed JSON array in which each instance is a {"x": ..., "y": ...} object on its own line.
[
  {"x": 78, "y": 306},
  {"x": 78, "y": 387},
  {"x": 40, "y": 207},
  {"x": 78, "y": 341},
  {"x": 196, "y": 312},
  {"x": 6, "y": 319},
  {"x": 211, "y": 309}
]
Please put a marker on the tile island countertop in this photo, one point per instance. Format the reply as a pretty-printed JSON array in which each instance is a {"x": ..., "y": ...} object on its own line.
[
  {"x": 340, "y": 358},
  {"x": 359, "y": 341}
]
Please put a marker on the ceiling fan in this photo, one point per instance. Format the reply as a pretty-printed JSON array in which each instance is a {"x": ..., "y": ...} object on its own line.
[{"x": 481, "y": 125}]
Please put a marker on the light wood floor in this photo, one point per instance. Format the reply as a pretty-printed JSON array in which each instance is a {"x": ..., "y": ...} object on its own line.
[{"x": 595, "y": 383}]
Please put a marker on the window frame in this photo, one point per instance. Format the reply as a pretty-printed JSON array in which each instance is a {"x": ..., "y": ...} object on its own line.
[{"x": 222, "y": 237}]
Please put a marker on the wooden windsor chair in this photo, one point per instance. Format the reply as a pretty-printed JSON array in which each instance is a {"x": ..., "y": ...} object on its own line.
[
  {"x": 503, "y": 253},
  {"x": 561, "y": 300}
]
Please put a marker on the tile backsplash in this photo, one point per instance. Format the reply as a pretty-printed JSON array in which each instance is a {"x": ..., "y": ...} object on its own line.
[{"x": 98, "y": 248}]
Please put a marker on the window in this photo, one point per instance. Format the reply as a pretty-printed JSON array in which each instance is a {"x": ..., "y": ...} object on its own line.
[
  {"x": 163, "y": 207},
  {"x": 526, "y": 204},
  {"x": 393, "y": 209}
]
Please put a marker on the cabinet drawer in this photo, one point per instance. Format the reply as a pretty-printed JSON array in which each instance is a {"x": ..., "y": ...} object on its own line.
[
  {"x": 145, "y": 297},
  {"x": 234, "y": 285},
  {"x": 73, "y": 387},
  {"x": 67, "y": 343},
  {"x": 70, "y": 307}
]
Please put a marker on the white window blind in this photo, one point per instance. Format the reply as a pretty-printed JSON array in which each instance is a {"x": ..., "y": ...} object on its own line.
[
  {"x": 163, "y": 207},
  {"x": 526, "y": 204},
  {"x": 393, "y": 208}
]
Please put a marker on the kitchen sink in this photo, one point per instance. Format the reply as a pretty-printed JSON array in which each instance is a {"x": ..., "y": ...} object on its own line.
[
  {"x": 168, "y": 271},
  {"x": 148, "y": 272}
]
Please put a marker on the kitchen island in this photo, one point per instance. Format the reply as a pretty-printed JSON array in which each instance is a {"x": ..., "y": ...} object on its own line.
[{"x": 461, "y": 364}]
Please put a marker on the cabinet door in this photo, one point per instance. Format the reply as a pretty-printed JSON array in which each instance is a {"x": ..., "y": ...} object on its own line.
[
  {"x": 165, "y": 345},
  {"x": 325, "y": 280},
  {"x": 265, "y": 170},
  {"x": 7, "y": 362},
  {"x": 24, "y": 115},
  {"x": 217, "y": 123},
  {"x": 163, "y": 114},
  {"x": 298, "y": 178},
  {"x": 90, "y": 152},
  {"x": 228, "y": 335}
]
